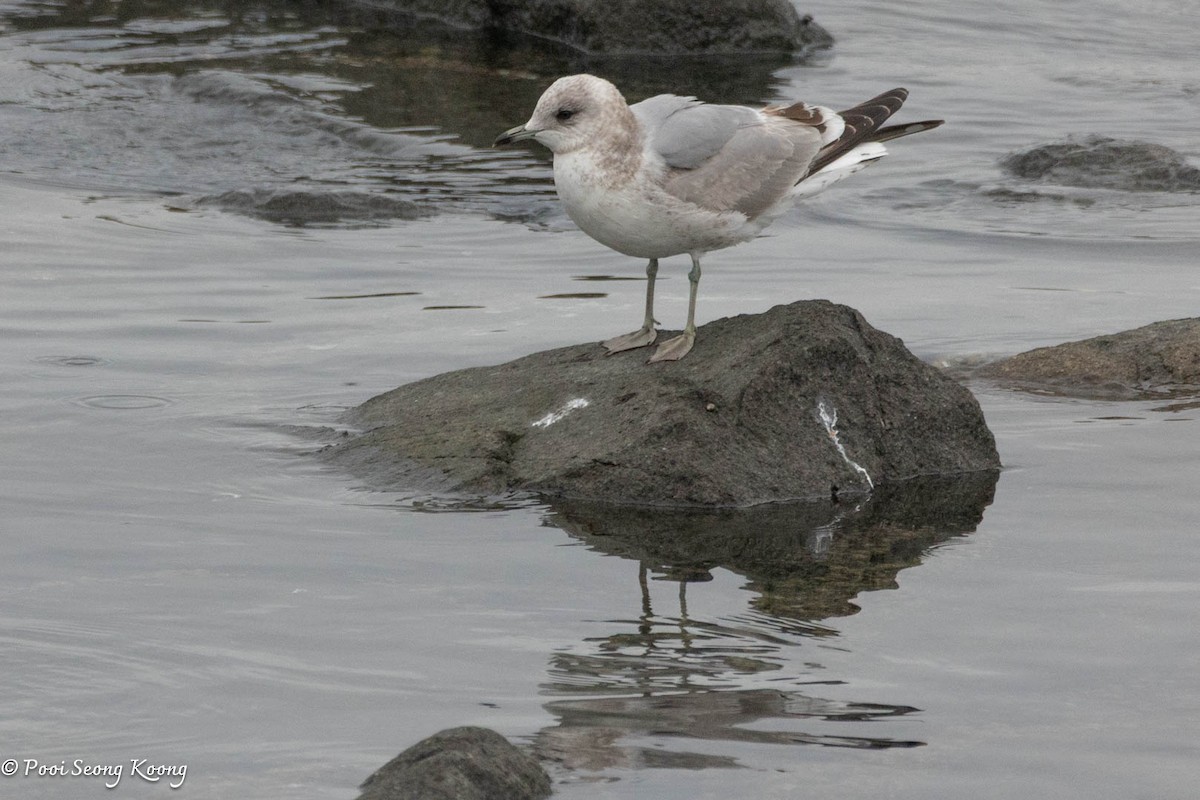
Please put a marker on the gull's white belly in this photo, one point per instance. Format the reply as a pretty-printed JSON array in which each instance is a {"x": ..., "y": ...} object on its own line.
[{"x": 638, "y": 218}]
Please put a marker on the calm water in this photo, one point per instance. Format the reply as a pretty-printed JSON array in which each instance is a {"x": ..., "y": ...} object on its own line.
[{"x": 219, "y": 232}]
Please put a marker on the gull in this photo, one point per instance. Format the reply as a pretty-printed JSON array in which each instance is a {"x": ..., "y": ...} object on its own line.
[{"x": 673, "y": 175}]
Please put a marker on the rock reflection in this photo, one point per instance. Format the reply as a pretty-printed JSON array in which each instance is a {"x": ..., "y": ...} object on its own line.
[
  {"x": 802, "y": 561},
  {"x": 669, "y": 675},
  {"x": 589, "y": 733}
]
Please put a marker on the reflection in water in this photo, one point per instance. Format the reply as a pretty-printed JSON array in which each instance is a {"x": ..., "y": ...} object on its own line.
[
  {"x": 370, "y": 296},
  {"x": 588, "y": 735},
  {"x": 671, "y": 675},
  {"x": 803, "y": 561}
]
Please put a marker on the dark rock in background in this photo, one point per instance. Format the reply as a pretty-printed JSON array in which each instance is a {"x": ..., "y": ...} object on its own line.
[
  {"x": 464, "y": 763},
  {"x": 1103, "y": 163},
  {"x": 633, "y": 26},
  {"x": 801, "y": 402},
  {"x": 1148, "y": 362}
]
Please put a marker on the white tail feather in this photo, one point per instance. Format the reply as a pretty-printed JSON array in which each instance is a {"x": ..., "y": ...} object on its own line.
[{"x": 842, "y": 167}]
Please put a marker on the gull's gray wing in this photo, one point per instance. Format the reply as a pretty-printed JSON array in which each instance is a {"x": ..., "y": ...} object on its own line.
[
  {"x": 686, "y": 132},
  {"x": 726, "y": 158}
]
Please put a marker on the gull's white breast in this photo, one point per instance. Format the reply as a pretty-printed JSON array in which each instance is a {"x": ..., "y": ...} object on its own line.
[{"x": 631, "y": 212}]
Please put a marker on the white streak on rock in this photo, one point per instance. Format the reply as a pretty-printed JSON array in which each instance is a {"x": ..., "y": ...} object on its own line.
[
  {"x": 828, "y": 417},
  {"x": 555, "y": 416}
]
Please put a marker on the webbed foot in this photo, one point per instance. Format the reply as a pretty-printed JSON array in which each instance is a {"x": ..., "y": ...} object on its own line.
[
  {"x": 674, "y": 349},
  {"x": 631, "y": 341}
]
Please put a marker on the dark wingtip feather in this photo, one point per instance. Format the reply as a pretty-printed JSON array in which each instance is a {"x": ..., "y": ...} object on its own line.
[
  {"x": 862, "y": 121},
  {"x": 896, "y": 131},
  {"x": 864, "y": 124}
]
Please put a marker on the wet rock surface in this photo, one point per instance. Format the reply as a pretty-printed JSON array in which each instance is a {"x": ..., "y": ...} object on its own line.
[
  {"x": 1105, "y": 163},
  {"x": 466, "y": 763},
  {"x": 804, "y": 401},
  {"x": 1161, "y": 359},
  {"x": 633, "y": 26}
]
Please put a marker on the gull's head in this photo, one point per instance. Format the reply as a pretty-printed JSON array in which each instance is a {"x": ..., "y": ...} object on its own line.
[{"x": 574, "y": 112}]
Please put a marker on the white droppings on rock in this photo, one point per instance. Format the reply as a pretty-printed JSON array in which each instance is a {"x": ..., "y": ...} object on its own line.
[
  {"x": 828, "y": 417},
  {"x": 555, "y": 416}
]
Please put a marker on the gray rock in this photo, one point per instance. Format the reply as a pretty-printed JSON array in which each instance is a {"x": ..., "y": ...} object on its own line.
[
  {"x": 634, "y": 26},
  {"x": 464, "y": 763},
  {"x": 1152, "y": 361},
  {"x": 736, "y": 423},
  {"x": 1103, "y": 163}
]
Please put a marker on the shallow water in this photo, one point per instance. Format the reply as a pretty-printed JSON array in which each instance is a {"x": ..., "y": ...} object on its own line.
[{"x": 218, "y": 233}]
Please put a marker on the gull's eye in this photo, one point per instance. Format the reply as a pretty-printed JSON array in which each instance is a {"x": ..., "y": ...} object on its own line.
[{"x": 564, "y": 114}]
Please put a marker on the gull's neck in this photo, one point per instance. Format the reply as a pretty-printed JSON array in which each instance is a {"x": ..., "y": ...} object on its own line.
[{"x": 615, "y": 148}]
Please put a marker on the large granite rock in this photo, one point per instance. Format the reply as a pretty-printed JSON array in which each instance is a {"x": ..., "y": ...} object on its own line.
[
  {"x": 659, "y": 27},
  {"x": 1153, "y": 361},
  {"x": 1100, "y": 162},
  {"x": 801, "y": 402},
  {"x": 464, "y": 763}
]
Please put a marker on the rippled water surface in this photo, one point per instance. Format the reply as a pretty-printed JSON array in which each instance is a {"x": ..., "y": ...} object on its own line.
[{"x": 223, "y": 224}]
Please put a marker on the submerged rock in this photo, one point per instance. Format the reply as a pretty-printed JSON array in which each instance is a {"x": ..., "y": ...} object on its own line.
[
  {"x": 302, "y": 208},
  {"x": 1099, "y": 162},
  {"x": 464, "y": 763},
  {"x": 801, "y": 402},
  {"x": 1152, "y": 361},
  {"x": 661, "y": 27}
]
